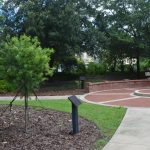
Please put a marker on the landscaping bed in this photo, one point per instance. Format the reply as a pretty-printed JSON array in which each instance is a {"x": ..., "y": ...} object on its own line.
[
  {"x": 54, "y": 89},
  {"x": 47, "y": 129},
  {"x": 47, "y": 92}
]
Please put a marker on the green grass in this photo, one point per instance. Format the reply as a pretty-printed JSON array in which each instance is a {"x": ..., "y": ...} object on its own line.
[{"x": 107, "y": 119}]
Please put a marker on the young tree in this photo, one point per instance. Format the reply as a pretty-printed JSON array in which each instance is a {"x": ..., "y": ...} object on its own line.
[{"x": 24, "y": 64}]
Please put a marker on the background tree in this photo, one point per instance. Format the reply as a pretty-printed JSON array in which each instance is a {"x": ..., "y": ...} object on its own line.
[
  {"x": 24, "y": 64},
  {"x": 71, "y": 27},
  {"x": 1, "y": 19},
  {"x": 126, "y": 23},
  {"x": 64, "y": 25}
]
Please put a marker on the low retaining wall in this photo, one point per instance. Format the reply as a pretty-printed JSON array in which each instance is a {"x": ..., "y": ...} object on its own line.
[{"x": 92, "y": 87}]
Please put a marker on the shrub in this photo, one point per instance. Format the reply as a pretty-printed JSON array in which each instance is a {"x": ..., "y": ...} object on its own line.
[
  {"x": 64, "y": 76},
  {"x": 96, "y": 69},
  {"x": 69, "y": 64},
  {"x": 144, "y": 64},
  {"x": 81, "y": 69},
  {"x": 5, "y": 87}
]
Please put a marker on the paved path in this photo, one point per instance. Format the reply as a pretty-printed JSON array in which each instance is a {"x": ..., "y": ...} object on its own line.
[
  {"x": 134, "y": 131},
  {"x": 39, "y": 97},
  {"x": 125, "y": 97}
]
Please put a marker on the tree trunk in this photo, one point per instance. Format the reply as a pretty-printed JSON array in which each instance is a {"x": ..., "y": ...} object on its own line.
[
  {"x": 122, "y": 66},
  {"x": 114, "y": 65},
  {"x": 26, "y": 109}
]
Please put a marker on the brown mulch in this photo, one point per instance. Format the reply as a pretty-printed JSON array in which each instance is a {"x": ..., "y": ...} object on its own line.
[
  {"x": 47, "y": 92},
  {"x": 47, "y": 130}
]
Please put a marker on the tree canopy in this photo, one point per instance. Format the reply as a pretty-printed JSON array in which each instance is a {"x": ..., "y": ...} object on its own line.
[
  {"x": 119, "y": 27},
  {"x": 61, "y": 24},
  {"x": 126, "y": 23},
  {"x": 24, "y": 64}
]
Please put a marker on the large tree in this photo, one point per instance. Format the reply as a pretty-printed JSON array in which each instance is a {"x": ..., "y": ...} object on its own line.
[
  {"x": 127, "y": 24},
  {"x": 64, "y": 25}
]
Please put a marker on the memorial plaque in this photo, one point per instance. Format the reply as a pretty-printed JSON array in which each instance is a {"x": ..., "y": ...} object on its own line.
[{"x": 76, "y": 101}]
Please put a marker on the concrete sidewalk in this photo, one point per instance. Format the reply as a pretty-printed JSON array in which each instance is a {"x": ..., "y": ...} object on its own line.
[
  {"x": 39, "y": 97},
  {"x": 33, "y": 97},
  {"x": 134, "y": 131}
]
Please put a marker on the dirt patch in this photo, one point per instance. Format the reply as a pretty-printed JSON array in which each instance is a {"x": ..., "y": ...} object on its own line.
[{"x": 47, "y": 130}]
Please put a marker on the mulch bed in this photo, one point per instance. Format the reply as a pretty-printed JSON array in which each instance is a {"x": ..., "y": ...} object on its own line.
[
  {"x": 47, "y": 130},
  {"x": 47, "y": 92}
]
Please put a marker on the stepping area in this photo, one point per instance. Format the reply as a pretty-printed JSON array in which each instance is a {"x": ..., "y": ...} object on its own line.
[{"x": 127, "y": 97}]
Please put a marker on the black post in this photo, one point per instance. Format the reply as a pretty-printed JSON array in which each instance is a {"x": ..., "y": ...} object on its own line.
[
  {"x": 138, "y": 63},
  {"x": 26, "y": 108},
  {"x": 75, "y": 103},
  {"x": 82, "y": 81},
  {"x": 75, "y": 124},
  {"x": 82, "y": 84}
]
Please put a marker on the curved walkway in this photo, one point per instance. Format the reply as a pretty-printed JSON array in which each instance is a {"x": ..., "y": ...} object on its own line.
[
  {"x": 134, "y": 131},
  {"x": 126, "y": 97}
]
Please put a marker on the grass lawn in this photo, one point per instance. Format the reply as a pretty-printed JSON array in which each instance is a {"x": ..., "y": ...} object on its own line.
[{"x": 106, "y": 118}]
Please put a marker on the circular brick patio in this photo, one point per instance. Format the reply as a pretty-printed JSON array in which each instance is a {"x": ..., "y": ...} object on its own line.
[{"x": 127, "y": 97}]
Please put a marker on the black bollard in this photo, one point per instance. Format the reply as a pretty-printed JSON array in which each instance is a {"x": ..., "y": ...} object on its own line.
[
  {"x": 75, "y": 103},
  {"x": 75, "y": 123},
  {"x": 82, "y": 81}
]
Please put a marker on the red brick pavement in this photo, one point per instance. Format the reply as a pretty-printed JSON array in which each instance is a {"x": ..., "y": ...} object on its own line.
[{"x": 120, "y": 97}]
